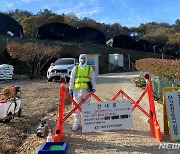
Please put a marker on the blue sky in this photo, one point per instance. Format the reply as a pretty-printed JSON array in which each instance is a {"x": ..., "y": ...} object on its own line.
[{"x": 128, "y": 13}]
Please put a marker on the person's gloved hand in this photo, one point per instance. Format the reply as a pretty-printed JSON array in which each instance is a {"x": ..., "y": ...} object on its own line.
[
  {"x": 71, "y": 92},
  {"x": 93, "y": 90}
]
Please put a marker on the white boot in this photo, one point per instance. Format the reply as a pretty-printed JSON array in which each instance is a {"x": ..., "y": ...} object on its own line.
[
  {"x": 75, "y": 126},
  {"x": 77, "y": 121}
]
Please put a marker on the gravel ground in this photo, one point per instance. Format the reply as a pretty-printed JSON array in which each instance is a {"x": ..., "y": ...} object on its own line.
[{"x": 40, "y": 102}]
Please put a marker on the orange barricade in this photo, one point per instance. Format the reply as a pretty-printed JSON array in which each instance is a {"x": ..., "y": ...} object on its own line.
[
  {"x": 154, "y": 126},
  {"x": 59, "y": 125},
  {"x": 61, "y": 118}
]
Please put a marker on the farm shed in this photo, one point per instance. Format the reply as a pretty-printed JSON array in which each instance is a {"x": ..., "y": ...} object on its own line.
[
  {"x": 55, "y": 31},
  {"x": 9, "y": 26},
  {"x": 91, "y": 35},
  {"x": 144, "y": 45},
  {"x": 122, "y": 41}
]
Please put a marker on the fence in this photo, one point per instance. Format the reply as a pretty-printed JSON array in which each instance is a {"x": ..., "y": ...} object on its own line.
[{"x": 159, "y": 83}]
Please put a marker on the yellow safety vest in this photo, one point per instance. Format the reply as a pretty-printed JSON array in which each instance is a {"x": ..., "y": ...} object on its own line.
[{"x": 82, "y": 77}]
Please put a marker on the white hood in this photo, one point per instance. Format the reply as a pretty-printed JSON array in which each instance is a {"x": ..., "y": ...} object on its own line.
[{"x": 60, "y": 67}]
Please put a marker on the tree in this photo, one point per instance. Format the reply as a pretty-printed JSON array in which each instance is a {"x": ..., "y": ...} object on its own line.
[
  {"x": 34, "y": 54},
  {"x": 19, "y": 14},
  {"x": 155, "y": 38},
  {"x": 177, "y": 25},
  {"x": 71, "y": 19},
  {"x": 173, "y": 45},
  {"x": 30, "y": 25}
]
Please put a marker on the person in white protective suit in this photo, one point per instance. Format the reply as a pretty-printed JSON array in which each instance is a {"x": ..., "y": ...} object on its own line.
[{"x": 81, "y": 76}]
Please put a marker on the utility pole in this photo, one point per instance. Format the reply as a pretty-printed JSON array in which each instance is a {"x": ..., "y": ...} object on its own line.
[{"x": 129, "y": 59}]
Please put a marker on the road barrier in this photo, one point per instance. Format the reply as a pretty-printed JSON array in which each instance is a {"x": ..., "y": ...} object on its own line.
[{"x": 154, "y": 126}]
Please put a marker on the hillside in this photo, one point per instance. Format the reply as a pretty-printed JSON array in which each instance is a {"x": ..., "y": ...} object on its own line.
[{"x": 69, "y": 49}]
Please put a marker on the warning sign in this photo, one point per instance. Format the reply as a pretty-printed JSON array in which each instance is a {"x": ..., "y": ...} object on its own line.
[
  {"x": 173, "y": 108},
  {"x": 106, "y": 116},
  {"x": 90, "y": 61}
]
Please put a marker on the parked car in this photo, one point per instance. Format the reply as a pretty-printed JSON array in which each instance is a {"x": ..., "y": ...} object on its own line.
[{"x": 61, "y": 67}]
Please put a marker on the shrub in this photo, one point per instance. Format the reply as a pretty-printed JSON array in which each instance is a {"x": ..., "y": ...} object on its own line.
[
  {"x": 35, "y": 55},
  {"x": 164, "y": 73},
  {"x": 140, "y": 81},
  {"x": 160, "y": 67}
]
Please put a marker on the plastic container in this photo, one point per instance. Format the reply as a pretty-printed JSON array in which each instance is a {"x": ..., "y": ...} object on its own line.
[
  {"x": 49, "y": 137},
  {"x": 53, "y": 148},
  {"x": 8, "y": 106}
]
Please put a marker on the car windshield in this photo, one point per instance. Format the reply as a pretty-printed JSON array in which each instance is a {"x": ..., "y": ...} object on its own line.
[{"x": 64, "y": 62}]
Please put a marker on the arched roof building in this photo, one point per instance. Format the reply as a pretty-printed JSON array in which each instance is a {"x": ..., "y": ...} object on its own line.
[
  {"x": 144, "y": 45},
  {"x": 9, "y": 26},
  {"x": 65, "y": 32},
  {"x": 55, "y": 31},
  {"x": 122, "y": 41},
  {"x": 91, "y": 35}
]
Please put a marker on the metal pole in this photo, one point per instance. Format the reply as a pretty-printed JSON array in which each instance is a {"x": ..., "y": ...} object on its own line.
[{"x": 129, "y": 61}]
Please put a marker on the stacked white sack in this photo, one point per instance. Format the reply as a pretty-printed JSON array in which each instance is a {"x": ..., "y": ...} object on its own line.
[{"x": 6, "y": 72}]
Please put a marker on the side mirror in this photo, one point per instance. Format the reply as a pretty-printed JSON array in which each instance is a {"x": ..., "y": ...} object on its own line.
[{"x": 52, "y": 64}]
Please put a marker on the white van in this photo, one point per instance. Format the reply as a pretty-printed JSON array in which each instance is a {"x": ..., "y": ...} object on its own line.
[{"x": 61, "y": 67}]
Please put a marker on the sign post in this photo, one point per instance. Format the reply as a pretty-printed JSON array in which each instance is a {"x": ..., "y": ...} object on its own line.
[{"x": 171, "y": 108}]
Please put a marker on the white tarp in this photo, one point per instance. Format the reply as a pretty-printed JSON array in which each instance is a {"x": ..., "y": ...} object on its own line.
[{"x": 6, "y": 72}]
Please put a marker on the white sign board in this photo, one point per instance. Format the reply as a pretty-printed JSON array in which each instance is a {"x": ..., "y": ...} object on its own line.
[
  {"x": 106, "y": 116},
  {"x": 173, "y": 112},
  {"x": 116, "y": 59}
]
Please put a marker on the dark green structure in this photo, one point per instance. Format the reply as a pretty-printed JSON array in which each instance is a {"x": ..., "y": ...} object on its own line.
[
  {"x": 9, "y": 26},
  {"x": 67, "y": 33}
]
